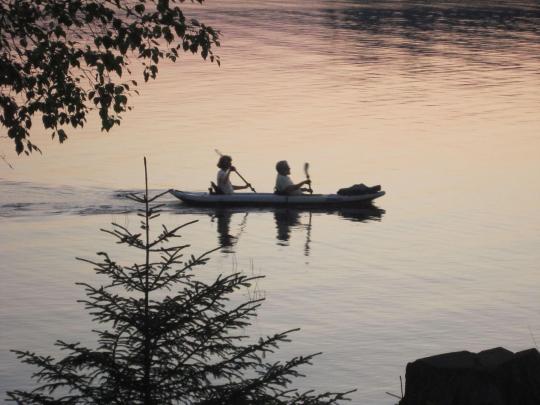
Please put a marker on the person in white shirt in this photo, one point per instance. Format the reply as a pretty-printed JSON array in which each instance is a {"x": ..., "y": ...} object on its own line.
[
  {"x": 284, "y": 184},
  {"x": 223, "y": 176}
]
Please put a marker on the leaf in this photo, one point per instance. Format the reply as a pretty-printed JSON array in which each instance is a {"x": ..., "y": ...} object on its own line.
[
  {"x": 62, "y": 136},
  {"x": 47, "y": 121},
  {"x": 180, "y": 29}
]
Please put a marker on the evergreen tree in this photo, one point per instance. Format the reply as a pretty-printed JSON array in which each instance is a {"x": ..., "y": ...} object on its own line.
[{"x": 160, "y": 347}]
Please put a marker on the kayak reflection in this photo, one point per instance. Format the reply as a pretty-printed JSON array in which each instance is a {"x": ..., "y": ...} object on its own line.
[{"x": 286, "y": 220}]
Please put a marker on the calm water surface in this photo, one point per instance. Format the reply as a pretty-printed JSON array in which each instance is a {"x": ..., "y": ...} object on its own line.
[{"x": 438, "y": 103}]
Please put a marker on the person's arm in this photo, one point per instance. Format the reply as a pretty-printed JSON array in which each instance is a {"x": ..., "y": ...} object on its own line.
[
  {"x": 294, "y": 187},
  {"x": 228, "y": 173}
]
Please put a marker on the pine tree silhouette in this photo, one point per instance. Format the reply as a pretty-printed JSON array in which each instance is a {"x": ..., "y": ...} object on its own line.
[{"x": 160, "y": 347}]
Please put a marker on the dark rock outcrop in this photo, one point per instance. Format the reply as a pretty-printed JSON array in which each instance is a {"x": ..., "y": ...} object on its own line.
[{"x": 492, "y": 377}]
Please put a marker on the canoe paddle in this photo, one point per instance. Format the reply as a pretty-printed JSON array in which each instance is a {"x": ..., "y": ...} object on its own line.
[
  {"x": 306, "y": 171},
  {"x": 239, "y": 175}
]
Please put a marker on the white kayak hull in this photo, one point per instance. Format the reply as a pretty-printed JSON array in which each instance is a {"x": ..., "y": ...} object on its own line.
[{"x": 270, "y": 199}]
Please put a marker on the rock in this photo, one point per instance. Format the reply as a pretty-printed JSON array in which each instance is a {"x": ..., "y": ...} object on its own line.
[{"x": 491, "y": 377}]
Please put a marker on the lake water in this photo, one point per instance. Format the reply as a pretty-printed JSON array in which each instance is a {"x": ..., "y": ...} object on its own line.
[{"x": 438, "y": 103}]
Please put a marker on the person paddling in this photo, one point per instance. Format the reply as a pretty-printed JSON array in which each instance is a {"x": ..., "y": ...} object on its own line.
[
  {"x": 284, "y": 184},
  {"x": 223, "y": 176}
]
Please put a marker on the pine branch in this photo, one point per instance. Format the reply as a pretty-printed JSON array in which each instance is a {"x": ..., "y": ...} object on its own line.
[
  {"x": 167, "y": 234},
  {"x": 116, "y": 272}
]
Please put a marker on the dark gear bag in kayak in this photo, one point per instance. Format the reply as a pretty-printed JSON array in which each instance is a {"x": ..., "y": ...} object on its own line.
[{"x": 358, "y": 189}]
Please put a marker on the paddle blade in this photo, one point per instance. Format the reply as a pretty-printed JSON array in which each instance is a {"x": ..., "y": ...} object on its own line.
[{"x": 306, "y": 171}]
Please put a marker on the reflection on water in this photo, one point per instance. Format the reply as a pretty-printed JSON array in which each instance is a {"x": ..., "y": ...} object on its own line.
[
  {"x": 31, "y": 200},
  {"x": 407, "y": 18},
  {"x": 367, "y": 31},
  {"x": 473, "y": 32},
  {"x": 225, "y": 239},
  {"x": 286, "y": 221}
]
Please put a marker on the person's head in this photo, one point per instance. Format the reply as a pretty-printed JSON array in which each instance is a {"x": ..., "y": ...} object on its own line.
[
  {"x": 224, "y": 162},
  {"x": 283, "y": 168}
]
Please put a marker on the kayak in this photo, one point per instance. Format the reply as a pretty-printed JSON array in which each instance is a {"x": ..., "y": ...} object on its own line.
[{"x": 271, "y": 199}]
